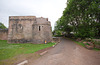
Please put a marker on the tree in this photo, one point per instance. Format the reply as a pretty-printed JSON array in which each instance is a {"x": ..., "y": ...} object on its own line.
[
  {"x": 2, "y": 26},
  {"x": 81, "y": 17}
]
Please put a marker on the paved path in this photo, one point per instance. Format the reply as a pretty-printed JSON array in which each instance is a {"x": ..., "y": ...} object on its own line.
[{"x": 69, "y": 53}]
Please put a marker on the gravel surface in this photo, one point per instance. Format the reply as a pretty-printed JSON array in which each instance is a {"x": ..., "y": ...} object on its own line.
[{"x": 68, "y": 53}]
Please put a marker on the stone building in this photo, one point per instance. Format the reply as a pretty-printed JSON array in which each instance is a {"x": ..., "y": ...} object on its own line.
[{"x": 29, "y": 29}]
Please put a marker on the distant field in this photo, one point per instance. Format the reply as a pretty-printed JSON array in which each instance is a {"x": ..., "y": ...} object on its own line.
[{"x": 11, "y": 50}]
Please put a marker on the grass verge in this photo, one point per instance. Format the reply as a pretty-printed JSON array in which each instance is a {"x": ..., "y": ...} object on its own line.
[
  {"x": 11, "y": 50},
  {"x": 80, "y": 43}
]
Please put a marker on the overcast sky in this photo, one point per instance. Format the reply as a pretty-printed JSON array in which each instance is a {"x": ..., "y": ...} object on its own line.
[{"x": 51, "y": 9}]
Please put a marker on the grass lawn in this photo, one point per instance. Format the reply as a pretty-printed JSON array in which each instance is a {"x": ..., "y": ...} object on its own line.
[{"x": 11, "y": 50}]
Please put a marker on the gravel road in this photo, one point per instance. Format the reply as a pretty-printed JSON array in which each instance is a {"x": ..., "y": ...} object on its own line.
[{"x": 68, "y": 53}]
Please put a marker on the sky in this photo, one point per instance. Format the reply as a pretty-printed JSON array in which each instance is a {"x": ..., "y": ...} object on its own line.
[{"x": 51, "y": 9}]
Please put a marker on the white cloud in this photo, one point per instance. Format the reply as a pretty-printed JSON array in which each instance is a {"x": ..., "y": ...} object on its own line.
[{"x": 51, "y": 9}]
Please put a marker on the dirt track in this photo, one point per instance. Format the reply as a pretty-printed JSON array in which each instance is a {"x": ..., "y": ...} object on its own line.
[{"x": 69, "y": 53}]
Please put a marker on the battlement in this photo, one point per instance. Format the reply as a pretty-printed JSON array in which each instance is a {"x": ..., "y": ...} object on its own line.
[{"x": 21, "y": 17}]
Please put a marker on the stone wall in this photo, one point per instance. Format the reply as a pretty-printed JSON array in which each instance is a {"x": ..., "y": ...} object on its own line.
[
  {"x": 42, "y": 31},
  {"x": 56, "y": 39},
  {"x": 29, "y": 29},
  {"x": 3, "y": 34}
]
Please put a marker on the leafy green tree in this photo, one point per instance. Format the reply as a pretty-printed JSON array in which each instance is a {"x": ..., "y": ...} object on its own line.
[
  {"x": 2, "y": 26},
  {"x": 81, "y": 17}
]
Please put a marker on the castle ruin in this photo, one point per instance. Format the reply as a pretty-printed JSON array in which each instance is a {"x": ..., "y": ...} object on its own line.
[{"x": 29, "y": 29}]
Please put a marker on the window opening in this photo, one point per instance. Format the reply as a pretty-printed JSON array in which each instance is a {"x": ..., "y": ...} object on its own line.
[{"x": 39, "y": 28}]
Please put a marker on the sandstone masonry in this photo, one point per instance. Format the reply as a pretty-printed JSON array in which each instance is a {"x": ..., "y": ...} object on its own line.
[
  {"x": 3, "y": 34},
  {"x": 29, "y": 29}
]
